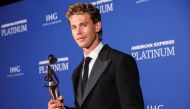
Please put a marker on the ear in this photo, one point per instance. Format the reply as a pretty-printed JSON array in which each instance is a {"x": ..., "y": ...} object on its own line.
[{"x": 98, "y": 26}]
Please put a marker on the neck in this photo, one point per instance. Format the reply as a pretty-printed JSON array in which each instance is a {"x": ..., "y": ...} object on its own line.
[{"x": 91, "y": 48}]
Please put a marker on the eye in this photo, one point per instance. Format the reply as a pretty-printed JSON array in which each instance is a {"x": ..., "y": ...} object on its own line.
[
  {"x": 73, "y": 27},
  {"x": 83, "y": 24}
]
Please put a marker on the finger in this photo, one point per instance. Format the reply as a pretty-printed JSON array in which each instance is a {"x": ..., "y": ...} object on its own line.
[
  {"x": 51, "y": 101},
  {"x": 60, "y": 99},
  {"x": 59, "y": 105},
  {"x": 52, "y": 104}
]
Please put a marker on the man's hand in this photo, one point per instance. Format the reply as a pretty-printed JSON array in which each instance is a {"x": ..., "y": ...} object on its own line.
[{"x": 56, "y": 104}]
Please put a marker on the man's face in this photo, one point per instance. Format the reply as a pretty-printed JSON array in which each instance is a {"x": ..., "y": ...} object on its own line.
[{"x": 83, "y": 29}]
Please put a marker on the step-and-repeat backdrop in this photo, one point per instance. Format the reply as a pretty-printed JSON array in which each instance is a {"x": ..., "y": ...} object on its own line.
[{"x": 155, "y": 32}]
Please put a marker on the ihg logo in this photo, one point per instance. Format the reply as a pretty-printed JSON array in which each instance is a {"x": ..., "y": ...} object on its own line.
[
  {"x": 155, "y": 107},
  {"x": 15, "y": 69},
  {"x": 51, "y": 17}
]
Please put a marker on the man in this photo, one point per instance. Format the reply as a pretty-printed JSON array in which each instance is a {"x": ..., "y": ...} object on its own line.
[{"x": 112, "y": 80}]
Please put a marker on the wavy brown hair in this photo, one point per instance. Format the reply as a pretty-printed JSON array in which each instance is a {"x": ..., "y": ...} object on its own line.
[{"x": 81, "y": 8}]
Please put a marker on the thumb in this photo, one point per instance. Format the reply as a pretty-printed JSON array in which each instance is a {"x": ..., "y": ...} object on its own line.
[{"x": 60, "y": 98}]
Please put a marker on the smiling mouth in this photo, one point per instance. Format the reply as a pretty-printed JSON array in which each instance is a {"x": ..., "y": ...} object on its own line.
[{"x": 81, "y": 38}]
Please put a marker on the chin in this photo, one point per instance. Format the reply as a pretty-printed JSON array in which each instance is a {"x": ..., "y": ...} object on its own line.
[{"x": 83, "y": 46}]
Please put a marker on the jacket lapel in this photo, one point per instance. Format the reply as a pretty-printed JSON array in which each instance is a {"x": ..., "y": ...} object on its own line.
[
  {"x": 77, "y": 83},
  {"x": 99, "y": 67}
]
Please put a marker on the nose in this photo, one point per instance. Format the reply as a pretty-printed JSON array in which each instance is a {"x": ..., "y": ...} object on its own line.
[{"x": 78, "y": 31}]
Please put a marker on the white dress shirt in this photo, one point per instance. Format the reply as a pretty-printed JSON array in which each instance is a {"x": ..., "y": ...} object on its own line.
[{"x": 93, "y": 54}]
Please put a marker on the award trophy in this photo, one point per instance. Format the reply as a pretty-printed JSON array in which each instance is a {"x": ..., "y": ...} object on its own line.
[{"x": 52, "y": 79}]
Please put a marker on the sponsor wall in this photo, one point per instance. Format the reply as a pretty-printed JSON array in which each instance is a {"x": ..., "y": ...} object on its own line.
[{"x": 155, "y": 33}]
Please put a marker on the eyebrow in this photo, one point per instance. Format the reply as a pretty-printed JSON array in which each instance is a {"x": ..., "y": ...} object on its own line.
[{"x": 81, "y": 23}]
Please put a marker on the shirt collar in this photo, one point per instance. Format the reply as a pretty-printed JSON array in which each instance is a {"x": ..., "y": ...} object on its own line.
[{"x": 94, "y": 53}]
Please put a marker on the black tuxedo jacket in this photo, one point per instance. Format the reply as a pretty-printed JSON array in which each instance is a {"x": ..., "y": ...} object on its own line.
[{"x": 113, "y": 83}]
